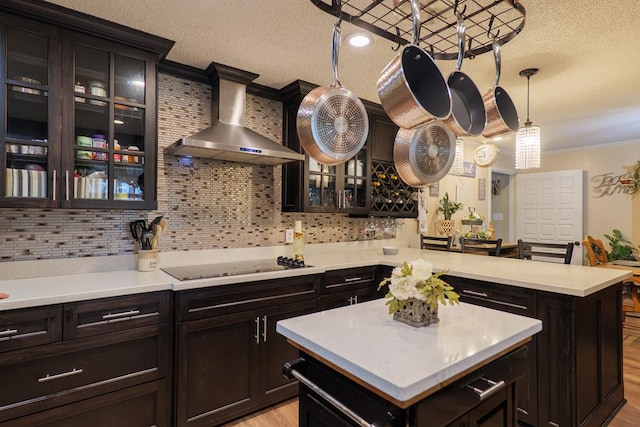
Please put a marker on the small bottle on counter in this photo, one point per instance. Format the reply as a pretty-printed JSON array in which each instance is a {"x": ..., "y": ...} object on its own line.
[{"x": 298, "y": 241}]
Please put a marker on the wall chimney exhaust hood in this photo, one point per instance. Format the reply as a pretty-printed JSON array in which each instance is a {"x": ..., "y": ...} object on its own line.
[{"x": 228, "y": 138}]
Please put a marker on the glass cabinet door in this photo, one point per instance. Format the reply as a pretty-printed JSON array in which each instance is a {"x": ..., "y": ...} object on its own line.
[
  {"x": 110, "y": 126},
  {"x": 356, "y": 182},
  {"x": 25, "y": 140},
  {"x": 322, "y": 186}
]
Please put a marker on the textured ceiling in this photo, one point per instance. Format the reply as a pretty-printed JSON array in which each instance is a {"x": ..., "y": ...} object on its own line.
[{"x": 586, "y": 93}]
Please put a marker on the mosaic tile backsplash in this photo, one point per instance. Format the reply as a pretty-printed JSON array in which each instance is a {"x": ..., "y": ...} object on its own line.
[{"x": 208, "y": 204}]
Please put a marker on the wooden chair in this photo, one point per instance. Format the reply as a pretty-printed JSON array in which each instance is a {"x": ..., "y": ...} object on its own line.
[
  {"x": 480, "y": 246},
  {"x": 550, "y": 252},
  {"x": 436, "y": 243},
  {"x": 597, "y": 255}
]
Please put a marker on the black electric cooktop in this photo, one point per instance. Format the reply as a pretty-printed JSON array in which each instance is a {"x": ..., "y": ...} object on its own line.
[{"x": 206, "y": 271}]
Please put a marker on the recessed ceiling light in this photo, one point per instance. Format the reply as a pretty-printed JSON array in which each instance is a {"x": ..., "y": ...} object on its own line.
[
  {"x": 498, "y": 138},
  {"x": 359, "y": 39}
]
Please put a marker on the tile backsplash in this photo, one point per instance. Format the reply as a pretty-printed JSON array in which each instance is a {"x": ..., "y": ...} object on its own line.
[{"x": 208, "y": 204}]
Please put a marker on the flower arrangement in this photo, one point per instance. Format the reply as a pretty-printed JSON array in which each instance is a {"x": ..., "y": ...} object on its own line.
[{"x": 416, "y": 280}]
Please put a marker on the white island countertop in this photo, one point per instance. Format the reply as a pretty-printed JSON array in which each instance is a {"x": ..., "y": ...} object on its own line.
[
  {"x": 60, "y": 287},
  {"x": 401, "y": 362}
]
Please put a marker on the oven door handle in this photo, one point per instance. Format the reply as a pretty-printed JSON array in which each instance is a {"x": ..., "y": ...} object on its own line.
[{"x": 290, "y": 372}]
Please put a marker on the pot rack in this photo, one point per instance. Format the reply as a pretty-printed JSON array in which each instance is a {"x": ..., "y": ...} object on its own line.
[{"x": 484, "y": 19}]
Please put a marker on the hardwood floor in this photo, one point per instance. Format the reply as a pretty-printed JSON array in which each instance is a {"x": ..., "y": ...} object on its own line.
[{"x": 286, "y": 414}]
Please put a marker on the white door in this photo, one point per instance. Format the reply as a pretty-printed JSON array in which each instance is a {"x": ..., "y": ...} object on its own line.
[{"x": 549, "y": 208}]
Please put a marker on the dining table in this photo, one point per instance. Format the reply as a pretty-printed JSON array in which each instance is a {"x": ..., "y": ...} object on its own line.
[{"x": 507, "y": 249}]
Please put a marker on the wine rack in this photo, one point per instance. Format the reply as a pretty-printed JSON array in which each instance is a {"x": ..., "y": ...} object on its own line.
[{"x": 390, "y": 195}]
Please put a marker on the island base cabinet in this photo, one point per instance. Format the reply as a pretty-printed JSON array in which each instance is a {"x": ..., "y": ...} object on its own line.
[{"x": 456, "y": 405}]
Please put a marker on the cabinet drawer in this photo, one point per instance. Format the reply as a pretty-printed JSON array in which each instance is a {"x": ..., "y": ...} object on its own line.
[
  {"x": 30, "y": 327},
  {"x": 143, "y": 405},
  {"x": 349, "y": 279},
  {"x": 499, "y": 297},
  {"x": 47, "y": 376},
  {"x": 88, "y": 318},
  {"x": 234, "y": 298},
  {"x": 480, "y": 390}
]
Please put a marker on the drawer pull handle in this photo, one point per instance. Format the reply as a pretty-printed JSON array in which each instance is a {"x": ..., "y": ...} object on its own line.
[
  {"x": 552, "y": 424},
  {"x": 508, "y": 304},
  {"x": 264, "y": 328},
  {"x": 483, "y": 394},
  {"x": 352, "y": 279},
  {"x": 123, "y": 314},
  {"x": 522, "y": 411},
  {"x": 58, "y": 376},
  {"x": 474, "y": 293},
  {"x": 8, "y": 332},
  {"x": 257, "y": 335},
  {"x": 290, "y": 371}
]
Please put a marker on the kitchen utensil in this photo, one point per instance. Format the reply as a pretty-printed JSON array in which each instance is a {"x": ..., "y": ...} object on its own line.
[
  {"x": 468, "y": 114},
  {"x": 424, "y": 155},
  {"x": 137, "y": 229},
  {"x": 155, "y": 221},
  {"x": 502, "y": 116},
  {"x": 332, "y": 123},
  {"x": 411, "y": 88}
]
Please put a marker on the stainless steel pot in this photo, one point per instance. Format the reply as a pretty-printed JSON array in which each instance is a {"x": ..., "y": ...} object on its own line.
[
  {"x": 468, "y": 114},
  {"x": 332, "y": 122},
  {"x": 502, "y": 116},
  {"x": 411, "y": 88},
  {"x": 424, "y": 155}
]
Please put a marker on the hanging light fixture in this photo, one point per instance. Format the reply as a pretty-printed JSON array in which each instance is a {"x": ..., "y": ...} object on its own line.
[
  {"x": 457, "y": 168},
  {"x": 528, "y": 136}
]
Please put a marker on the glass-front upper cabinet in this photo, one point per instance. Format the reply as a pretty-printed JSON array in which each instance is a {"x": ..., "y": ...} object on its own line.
[
  {"x": 30, "y": 86},
  {"x": 112, "y": 142},
  {"x": 78, "y": 117}
]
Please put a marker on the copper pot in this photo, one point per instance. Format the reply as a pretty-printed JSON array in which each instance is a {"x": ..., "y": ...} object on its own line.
[
  {"x": 502, "y": 116},
  {"x": 411, "y": 88}
]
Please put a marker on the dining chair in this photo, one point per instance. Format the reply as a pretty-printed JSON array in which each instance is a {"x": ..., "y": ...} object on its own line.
[
  {"x": 480, "y": 246},
  {"x": 597, "y": 256},
  {"x": 596, "y": 253},
  {"x": 550, "y": 252},
  {"x": 436, "y": 243}
]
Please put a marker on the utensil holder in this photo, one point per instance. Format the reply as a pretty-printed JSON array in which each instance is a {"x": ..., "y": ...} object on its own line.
[{"x": 147, "y": 260}]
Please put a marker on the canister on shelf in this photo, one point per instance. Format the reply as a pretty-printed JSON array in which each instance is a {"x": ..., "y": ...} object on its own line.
[
  {"x": 116, "y": 146},
  {"x": 133, "y": 159}
]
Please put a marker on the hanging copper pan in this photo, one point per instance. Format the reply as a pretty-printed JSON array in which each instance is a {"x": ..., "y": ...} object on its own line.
[
  {"x": 502, "y": 116},
  {"x": 468, "y": 115},
  {"x": 332, "y": 122},
  {"x": 411, "y": 88}
]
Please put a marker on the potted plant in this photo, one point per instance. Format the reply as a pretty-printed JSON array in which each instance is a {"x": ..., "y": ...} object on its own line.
[
  {"x": 621, "y": 248},
  {"x": 415, "y": 292},
  {"x": 448, "y": 208}
]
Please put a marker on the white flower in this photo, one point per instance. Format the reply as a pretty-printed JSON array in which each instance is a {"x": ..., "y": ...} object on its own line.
[
  {"x": 422, "y": 269},
  {"x": 403, "y": 287}
]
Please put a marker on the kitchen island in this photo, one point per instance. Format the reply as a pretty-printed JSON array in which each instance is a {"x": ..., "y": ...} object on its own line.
[{"x": 408, "y": 368}]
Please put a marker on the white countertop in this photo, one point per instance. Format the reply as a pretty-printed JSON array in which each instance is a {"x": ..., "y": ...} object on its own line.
[
  {"x": 402, "y": 361},
  {"x": 62, "y": 287}
]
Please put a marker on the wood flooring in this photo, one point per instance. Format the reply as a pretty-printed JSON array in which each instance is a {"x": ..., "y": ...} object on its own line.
[{"x": 286, "y": 414}]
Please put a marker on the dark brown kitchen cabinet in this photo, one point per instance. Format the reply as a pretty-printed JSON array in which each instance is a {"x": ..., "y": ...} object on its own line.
[
  {"x": 230, "y": 356},
  {"x": 485, "y": 397},
  {"x": 73, "y": 374},
  {"x": 349, "y": 286},
  {"x": 79, "y": 110},
  {"x": 575, "y": 375},
  {"x": 313, "y": 187}
]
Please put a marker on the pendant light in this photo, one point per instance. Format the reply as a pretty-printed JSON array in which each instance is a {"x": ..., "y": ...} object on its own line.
[
  {"x": 528, "y": 136},
  {"x": 457, "y": 168}
]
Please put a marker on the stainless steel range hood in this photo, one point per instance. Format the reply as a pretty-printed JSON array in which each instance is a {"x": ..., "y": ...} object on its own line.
[{"x": 228, "y": 138}]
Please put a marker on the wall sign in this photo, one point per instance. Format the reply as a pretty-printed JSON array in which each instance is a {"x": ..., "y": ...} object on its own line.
[
  {"x": 482, "y": 188},
  {"x": 434, "y": 189},
  {"x": 608, "y": 184},
  {"x": 469, "y": 170}
]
